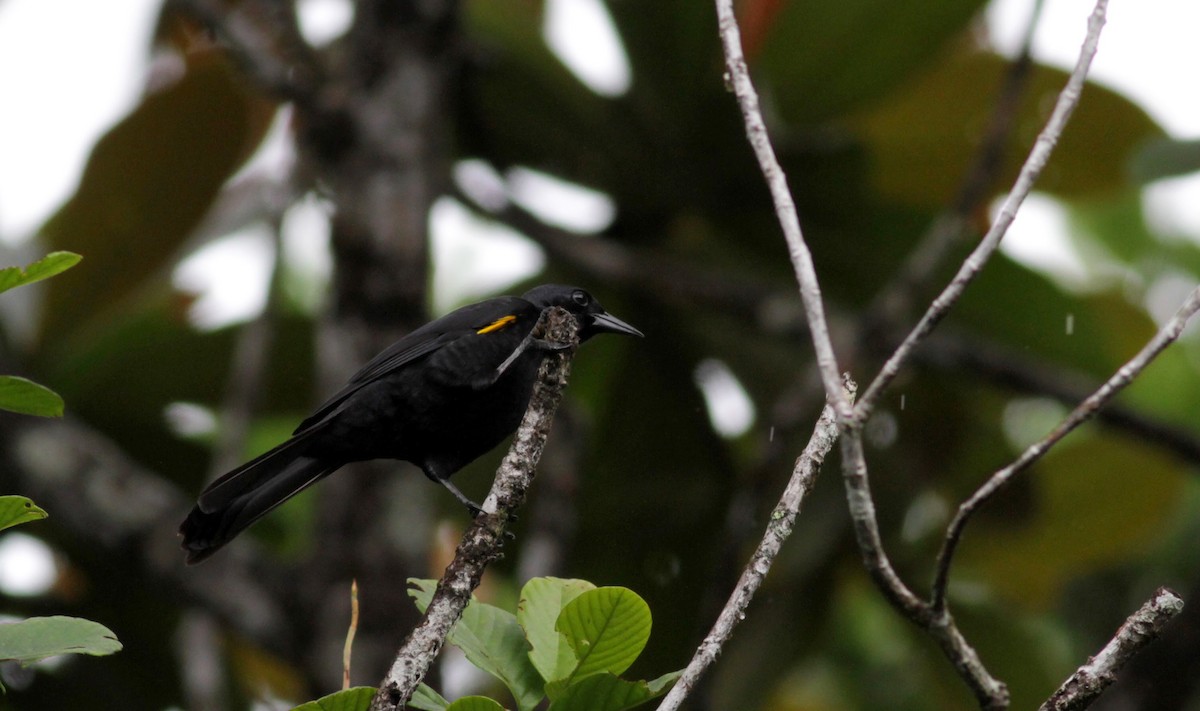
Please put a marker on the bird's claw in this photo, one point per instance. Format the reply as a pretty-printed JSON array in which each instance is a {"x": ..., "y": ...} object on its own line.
[
  {"x": 553, "y": 346},
  {"x": 477, "y": 511}
]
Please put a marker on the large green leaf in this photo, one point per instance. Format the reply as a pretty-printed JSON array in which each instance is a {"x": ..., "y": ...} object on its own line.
[
  {"x": 607, "y": 627},
  {"x": 541, "y": 602},
  {"x": 924, "y": 135},
  {"x": 15, "y": 510},
  {"x": 40, "y": 637},
  {"x": 492, "y": 641},
  {"x": 147, "y": 184},
  {"x": 822, "y": 58},
  {"x": 28, "y": 398},
  {"x": 44, "y": 268},
  {"x": 607, "y": 692},
  {"x": 354, "y": 699}
]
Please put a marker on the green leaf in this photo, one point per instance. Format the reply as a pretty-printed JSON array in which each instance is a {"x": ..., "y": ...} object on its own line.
[
  {"x": 426, "y": 699},
  {"x": 15, "y": 510},
  {"x": 492, "y": 641},
  {"x": 607, "y": 627},
  {"x": 47, "y": 266},
  {"x": 28, "y": 398},
  {"x": 474, "y": 703},
  {"x": 541, "y": 602},
  {"x": 606, "y": 692},
  {"x": 39, "y": 637},
  {"x": 357, "y": 698},
  {"x": 148, "y": 182}
]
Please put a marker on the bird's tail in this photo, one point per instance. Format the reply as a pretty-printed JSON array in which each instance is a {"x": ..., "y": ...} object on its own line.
[{"x": 246, "y": 494}]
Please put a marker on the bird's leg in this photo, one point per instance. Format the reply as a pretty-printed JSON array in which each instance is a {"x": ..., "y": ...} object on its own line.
[
  {"x": 529, "y": 341},
  {"x": 474, "y": 508}
]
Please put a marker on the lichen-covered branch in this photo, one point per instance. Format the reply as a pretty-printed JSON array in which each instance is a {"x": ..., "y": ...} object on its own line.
[
  {"x": 1091, "y": 679},
  {"x": 1169, "y": 333},
  {"x": 1039, "y": 155},
  {"x": 785, "y": 207},
  {"x": 482, "y": 543},
  {"x": 779, "y": 528}
]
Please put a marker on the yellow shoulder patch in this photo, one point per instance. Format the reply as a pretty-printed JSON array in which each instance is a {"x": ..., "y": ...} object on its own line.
[{"x": 497, "y": 324}]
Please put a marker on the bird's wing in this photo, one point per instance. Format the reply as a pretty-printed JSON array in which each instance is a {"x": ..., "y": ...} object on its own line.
[{"x": 482, "y": 317}]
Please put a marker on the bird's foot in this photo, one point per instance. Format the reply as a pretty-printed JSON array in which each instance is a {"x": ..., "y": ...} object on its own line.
[
  {"x": 477, "y": 511},
  {"x": 552, "y": 346}
]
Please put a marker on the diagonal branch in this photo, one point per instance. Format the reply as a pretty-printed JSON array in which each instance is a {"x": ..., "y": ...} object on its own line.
[
  {"x": 482, "y": 543},
  {"x": 1068, "y": 99},
  {"x": 1008, "y": 368},
  {"x": 894, "y": 300},
  {"x": 785, "y": 208},
  {"x": 1091, "y": 679},
  {"x": 779, "y": 528},
  {"x": 1085, "y": 411}
]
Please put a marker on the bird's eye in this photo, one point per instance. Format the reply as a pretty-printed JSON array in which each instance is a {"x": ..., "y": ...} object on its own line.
[{"x": 580, "y": 297}]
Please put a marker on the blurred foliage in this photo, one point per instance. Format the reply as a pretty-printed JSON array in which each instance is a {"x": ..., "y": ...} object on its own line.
[{"x": 876, "y": 111}]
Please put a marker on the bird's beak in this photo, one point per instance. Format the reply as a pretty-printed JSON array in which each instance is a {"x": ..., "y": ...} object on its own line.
[{"x": 607, "y": 323}]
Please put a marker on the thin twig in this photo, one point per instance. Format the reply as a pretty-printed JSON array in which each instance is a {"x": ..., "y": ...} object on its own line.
[
  {"x": 779, "y": 528},
  {"x": 1087, "y": 409},
  {"x": 989, "y": 691},
  {"x": 346, "y": 651},
  {"x": 785, "y": 207},
  {"x": 1068, "y": 99},
  {"x": 1009, "y": 368},
  {"x": 893, "y": 301},
  {"x": 482, "y": 543},
  {"x": 936, "y": 619},
  {"x": 1091, "y": 679}
]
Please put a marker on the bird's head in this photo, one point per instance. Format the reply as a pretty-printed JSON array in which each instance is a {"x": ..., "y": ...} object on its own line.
[{"x": 592, "y": 317}]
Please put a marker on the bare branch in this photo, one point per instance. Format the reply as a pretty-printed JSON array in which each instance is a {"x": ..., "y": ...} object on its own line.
[
  {"x": 989, "y": 691},
  {"x": 1091, "y": 679},
  {"x": 1008, "y": 368},
  {"x": 482, "y": 543},
  {"x": 785, "y": 207},
  {"x": 779, "y": 528},
  {"x": 1068, "y": 99},
  {"x": 894, "y": 300},
  {"x": 1086, "y": 410}
]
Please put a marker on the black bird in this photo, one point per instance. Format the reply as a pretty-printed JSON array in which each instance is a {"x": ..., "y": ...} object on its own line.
[{"x": 439, "y": 397}]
